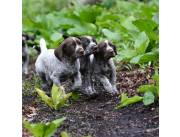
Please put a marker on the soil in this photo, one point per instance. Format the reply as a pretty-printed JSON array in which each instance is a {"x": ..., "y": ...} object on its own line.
[{"x": 97, "y": 116}]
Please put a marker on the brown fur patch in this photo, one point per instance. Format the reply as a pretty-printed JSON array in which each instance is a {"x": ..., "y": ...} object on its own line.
[{"x": 67, "y": 48}]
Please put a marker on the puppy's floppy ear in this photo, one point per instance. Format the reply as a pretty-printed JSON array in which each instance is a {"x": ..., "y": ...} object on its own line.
[
  {"x": 79, "y": 37},
  {"x": 94, "y": 40},
  {"x": 82, "y": 39},
  {"x": 58, "y": 52},
  {"x": 114, "y": 48}
]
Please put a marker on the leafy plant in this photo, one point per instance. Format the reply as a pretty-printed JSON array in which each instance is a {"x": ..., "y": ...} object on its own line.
[
  {"x": 132, "y": 26},
  {"x": 151, "y": 92},
  {"x": 125, "y": 101},
  {"x": 58, "y": 97},
  {"x": 148, "y": 98},
  {"x": 43, "y": 129},
  {"x": 75, "y": 95}
]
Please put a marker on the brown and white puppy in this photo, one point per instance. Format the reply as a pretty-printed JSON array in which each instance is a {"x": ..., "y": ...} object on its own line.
[
  {"x": 103, "y": 66},
  {"x": 90, "y": 46},
  {"x": 54, "y": 65}
]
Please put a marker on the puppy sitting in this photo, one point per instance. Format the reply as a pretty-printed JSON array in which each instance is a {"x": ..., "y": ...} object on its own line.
[
  {"x": 25, "y": 56},
  {"x": 104, "y": 69},
  {"x": 56, "y": 65},
  {"x": 90, "y": 47}
]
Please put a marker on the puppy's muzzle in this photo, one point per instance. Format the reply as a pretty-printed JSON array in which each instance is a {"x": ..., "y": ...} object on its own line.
[
  {"x": 80, "y": 51},
  {"x": 95, "y": 48},
  {"x": 111, "y": 53}
]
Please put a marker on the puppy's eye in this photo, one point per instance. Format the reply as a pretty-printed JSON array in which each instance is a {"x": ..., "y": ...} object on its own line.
[
  {"x": 94, "y": 40},
  {"x": 104, "y": 45},
  {"x": 86, "y": 42}
]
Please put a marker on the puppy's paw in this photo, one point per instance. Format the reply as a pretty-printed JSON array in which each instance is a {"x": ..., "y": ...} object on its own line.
[
  {"x": 75, "y": 88},
  {"x": 26, "y": 72},
  {"x": 89, "y": 91},
  {"x": 114, "y": 90}
]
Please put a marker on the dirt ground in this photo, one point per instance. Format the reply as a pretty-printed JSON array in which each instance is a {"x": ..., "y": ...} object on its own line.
[{"x": 97, "y": 116}]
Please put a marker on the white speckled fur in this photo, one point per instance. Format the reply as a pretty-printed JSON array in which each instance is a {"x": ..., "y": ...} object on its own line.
[{"x": 48, "y": 65}]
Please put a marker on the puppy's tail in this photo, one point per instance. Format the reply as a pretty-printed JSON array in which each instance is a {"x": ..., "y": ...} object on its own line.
[{"x": 43, "y": 45}]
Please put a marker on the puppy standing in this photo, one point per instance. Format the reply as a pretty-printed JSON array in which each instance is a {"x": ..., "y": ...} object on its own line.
[
  {"x": 103, "y": 66},
  {"x": 54, "y": 65},
  {"x": 90, "y": 46}
]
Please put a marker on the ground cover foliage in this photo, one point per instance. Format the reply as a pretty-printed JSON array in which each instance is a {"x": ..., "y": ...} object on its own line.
[{"x": 132, "y": 25}]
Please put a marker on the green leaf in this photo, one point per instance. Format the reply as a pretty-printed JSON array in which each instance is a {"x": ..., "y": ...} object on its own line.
[
  {"x": 147, "y": 88},
  {"x": 148, "y": 26},
  {"x": 64, "y": 99},
  {"x": 52, "y": 126},
  {"x": 36, "y": 129},
  {"x": 114, "y": 36},
  {"x": 124, "y": 97},
  {"x": 43, "y": 129},
  {"x": 64, "y": 134},
  {"x": 56, "y": 36},
  {"x": 156, "y": 77},
  {"x": 126, "y": 54},
  {"x": 125, "y": 101},
  {"x": 59, "y": 121},
  {"x": 87, "y": 13},
  {"x": 59, "y": 96},
  {"x": 83, "y": 29},
  {"x": 108, "y": 3},
  {"x": 145, "y": 25},
  {"x": 75, "y": 96},
  {"x": 156, "y": 18},
  {"x": 144, "y": 58},
  {"x": 141, "y": 43},
  {"x": 148, "y": 98},
  {"x": 127, "y": 23},
  {"x": 56, "y": 94},
  {"x": 45, "y": 98}
]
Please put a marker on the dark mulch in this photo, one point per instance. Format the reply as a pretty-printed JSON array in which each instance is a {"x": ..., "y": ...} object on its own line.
[{"x": 97, "y": 116}]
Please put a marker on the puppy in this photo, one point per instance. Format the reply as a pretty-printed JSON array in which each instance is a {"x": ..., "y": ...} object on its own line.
[
  {"x": 104, "y": 69},
  {"x": 90, "y": 46},
  {"x": 56, "y": 65},
  {"x": 25, "y": 56}
]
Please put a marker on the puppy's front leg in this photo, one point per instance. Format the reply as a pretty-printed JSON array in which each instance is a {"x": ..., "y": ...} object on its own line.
[
  {"x": 106, "y": 84},
  {"x": 25, "y": 65},
  {"x": 77, "y": 81},
  {"x": 55, "y": 78},
  {"x": 77, "y": 77},
  {"x": 113, "y": 75},
  {"x": 88, "y": 83}
]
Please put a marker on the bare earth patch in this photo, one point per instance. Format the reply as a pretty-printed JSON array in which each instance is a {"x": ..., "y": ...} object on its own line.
[{"x": 97, "y": 116}]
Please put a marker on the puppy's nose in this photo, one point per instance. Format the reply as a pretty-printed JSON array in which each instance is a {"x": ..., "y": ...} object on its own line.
[
  {"x": 81, "y": 51},
  {"x": 95, "y": 48},
  {"x": 111, "y": 51}
]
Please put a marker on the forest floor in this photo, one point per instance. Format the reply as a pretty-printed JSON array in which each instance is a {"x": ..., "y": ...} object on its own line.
[{"x": 97, "y": 116}]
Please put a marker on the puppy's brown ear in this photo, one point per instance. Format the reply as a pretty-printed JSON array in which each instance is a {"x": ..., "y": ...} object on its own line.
[
  {"x": 58, "y": 52},
  {"x": 79, "y": 37},
  {"x": 114, "y": 48}
]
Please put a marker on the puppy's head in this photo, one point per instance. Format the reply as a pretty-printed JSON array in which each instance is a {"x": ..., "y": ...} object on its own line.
[
  {"x": 89, "y": 44},
  {"x": 70, "y": 48},
  {"x": 106, "y": 50}
]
